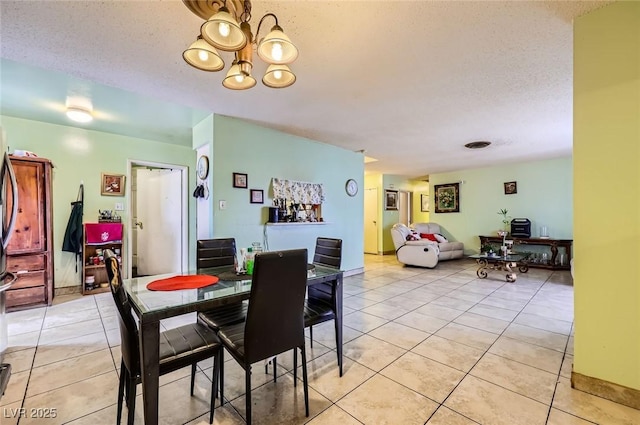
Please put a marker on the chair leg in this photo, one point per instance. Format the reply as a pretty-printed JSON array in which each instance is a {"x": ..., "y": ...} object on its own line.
[
  {"x": 221, "y": 376},
  {"x": 311, "y": 335},
  {"x": 193, "y": 377},
  {"x": 132, "y": 401},
  {"x": 247, "y": 374},
  {"x": 214, "y": 386},
  {"x": 295, "y": 367},
  {"x": 305, "y": 379},
  {"x": 121, "y": 392},
  {"x": 275, "y": 370}
]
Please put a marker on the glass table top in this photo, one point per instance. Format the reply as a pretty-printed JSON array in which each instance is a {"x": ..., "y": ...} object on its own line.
[
  {"x": 145, "y": 301},
  {"x": 510, "y": 257}
]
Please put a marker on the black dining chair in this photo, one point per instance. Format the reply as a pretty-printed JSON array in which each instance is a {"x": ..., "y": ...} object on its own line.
[
  {"x": 275, "y": 322},
  {"x": 217, "y": 253},
  {"x": 179, "y": 347},
  {"x": 319, "y": 306}
]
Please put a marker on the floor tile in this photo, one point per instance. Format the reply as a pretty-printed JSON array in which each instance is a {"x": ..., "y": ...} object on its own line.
[
  {"x": 544, "y": 323},
  {"x": 558, "y": 417},
  {"x": 20, "y": 360},
  {"x": 487, "y": 403},
  {"x": 421, "y": 322},
  {"x": 324, "y": 376},
  {"x": 68, "y": 348},
  {"x": 400, "y": 335},
  {"x": 529, "y": 354},
  {"x": 325, "y": 334},
  {"x": 363, "y": 322},
  {"x": 484, "y": 323},
  {"x": 520, "y": 378},
  {"x": 424, "y": 376},
  {"x": 468, "y": 336},
  {"x": 75, "y": 400},
  {"x": 455, "y": 303},
  {"x": 60, "y": 333},
  {"x": 68, "y": 317},
  {"x": 11, "y": 413},
  {"x": 15, "y": 388},
  {"x": 535, "y": 336},
  {"x": 441, "y": 312},
  {"x": 384, "y": 310},
  {"x": 496, "y": 301},
  {"x": 592, "y": 408},
  {"x": 382, "y": 401},
  {"x": 372, "y": 352},
  {"x": 445, "y": 416},
  {"x": 450, "y": 353},
  {"x": 281, "y": 403},
  {"x": 567, "y": 366},
  {"x": 332, "y": 416},
  {"x": 495, "y": 312}
]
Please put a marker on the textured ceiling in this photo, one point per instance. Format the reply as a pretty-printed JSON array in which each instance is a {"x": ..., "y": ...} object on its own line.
[{"x": 408, "y": 82}]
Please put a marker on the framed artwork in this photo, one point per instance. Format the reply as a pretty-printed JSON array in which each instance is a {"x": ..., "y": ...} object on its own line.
[
  {"x": 447, "y": 197},
  {"x": 112, "y": 184},
  {"x": 240, "y": 180},
  {"x": 424, "y": 202},
  {"x": 256, "y": 196},
  {"x": 391, "y": 199},
  {"x": 510, "y": 188}
]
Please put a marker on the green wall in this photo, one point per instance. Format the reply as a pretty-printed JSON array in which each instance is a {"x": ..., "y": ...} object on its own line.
[
  {"x": 544, "y": 196},
  {"x": 607, "y": 190},
  {"x": 262, "y": 154},
  {"x": 82, "y": 155}
]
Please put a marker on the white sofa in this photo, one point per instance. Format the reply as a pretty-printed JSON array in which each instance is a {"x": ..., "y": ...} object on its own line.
[
  {"x": 448, "y": 250},
  {"x": 422, "y": 253}
]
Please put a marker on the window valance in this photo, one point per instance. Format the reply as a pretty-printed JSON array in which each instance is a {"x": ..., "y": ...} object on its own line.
[{"x": 298, "y": 192}]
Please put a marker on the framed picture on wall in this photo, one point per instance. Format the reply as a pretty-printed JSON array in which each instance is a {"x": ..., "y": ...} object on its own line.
[
  {"x": 447, "y": 197},
  {"x": 510, "y": 188},
  {"x": 391, "y": 199},
  {"x": 424, "y": 202},
  {"x": 256, "y": 196},
  {"x": 112, "y": 184},
  {"x": 240, "y": 180}
]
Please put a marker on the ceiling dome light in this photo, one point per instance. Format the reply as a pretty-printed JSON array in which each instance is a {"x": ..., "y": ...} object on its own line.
[
  {"x": 78, "y": 114},
  {"x": 278, "y": 77},
  {"x": 277, "y": 48},
  {"x": 222, "y": 31},
  {"x": 480, "y": 144},
  {"x": 203, "y": 56}
]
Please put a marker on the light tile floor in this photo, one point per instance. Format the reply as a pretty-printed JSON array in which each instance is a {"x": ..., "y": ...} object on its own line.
[{"x": 437, "y": 347}]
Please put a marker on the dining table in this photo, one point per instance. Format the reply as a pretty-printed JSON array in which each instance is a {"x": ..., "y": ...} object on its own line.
[{"x": 151, "y": 307}]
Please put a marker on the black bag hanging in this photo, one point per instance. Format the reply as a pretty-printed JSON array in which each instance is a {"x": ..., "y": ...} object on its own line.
[{"x": 72, "y": 241}]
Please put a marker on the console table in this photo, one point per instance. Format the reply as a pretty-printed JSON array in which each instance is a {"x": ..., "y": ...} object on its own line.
[{"x": 553, "y": 245}]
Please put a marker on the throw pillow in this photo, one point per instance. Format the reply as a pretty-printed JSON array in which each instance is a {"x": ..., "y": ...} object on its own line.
[
  {"x": 412, "y": 237},
  {"x": 440, "y": 238},
  {"x": 429, "y": 236}
]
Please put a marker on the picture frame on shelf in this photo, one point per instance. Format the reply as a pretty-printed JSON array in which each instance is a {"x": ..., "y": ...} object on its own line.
[
  {"x": 240, "y": 180},
  {"x": 391, "y": 199},
  {"x": 447, "y": 197},
  {"x": 256, "y": 196},
  {"x": 424, "y": 202},
  {"x": 510, "y": 188},
  {"x": 112, "y": 184}
]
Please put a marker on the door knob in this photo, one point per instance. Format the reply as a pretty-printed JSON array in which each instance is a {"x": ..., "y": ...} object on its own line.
[{"x": 139, "y": 224}]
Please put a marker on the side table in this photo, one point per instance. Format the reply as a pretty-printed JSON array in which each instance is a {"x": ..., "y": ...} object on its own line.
[{"x": 500, "y": 263}]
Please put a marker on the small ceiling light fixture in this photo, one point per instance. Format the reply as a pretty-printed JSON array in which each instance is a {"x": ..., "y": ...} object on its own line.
[
  {"x": 79, "y": 114},
  {"x": 480, "y": 144},
  {"x": 227, "y": 28}
]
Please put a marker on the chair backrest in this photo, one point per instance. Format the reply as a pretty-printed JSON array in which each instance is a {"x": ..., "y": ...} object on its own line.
[
  {"x": 328, "y": 252},
  {"x": 275, "y": 318},
  {"x": 128, "y": 328},
  {"x": 215, "y": 252}
]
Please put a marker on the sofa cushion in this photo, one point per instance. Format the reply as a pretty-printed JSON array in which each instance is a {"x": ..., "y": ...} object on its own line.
[
  {"x": 451, "y": 246},
  {"x": 440, "y": 238},
  {"x": 427, "y": 228}
]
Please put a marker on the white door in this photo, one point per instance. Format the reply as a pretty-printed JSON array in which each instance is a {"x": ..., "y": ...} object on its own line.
[
  {"x": 157, "y": 221},
  {"x": 371, "y": 221},
  {"x": 404, "y": 207}
]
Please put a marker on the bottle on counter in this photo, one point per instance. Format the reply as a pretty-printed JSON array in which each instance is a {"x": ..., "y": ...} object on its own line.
[{"x": 249, "y": 259}]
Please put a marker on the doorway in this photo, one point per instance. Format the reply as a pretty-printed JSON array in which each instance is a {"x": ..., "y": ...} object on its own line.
[
  {"x": 371, "y": 221},
  {"x": 158, "y": 236},
  {"x": 404, "y": 208}
]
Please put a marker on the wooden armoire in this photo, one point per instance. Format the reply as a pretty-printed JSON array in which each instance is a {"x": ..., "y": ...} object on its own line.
[{"x": 30, "y": 250}]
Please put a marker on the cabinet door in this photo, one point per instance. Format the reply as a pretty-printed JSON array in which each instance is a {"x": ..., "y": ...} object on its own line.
[{"x": 29, "y": 233}]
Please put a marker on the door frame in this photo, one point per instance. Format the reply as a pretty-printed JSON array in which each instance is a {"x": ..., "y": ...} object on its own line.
[{"x": 184, "y": 173}]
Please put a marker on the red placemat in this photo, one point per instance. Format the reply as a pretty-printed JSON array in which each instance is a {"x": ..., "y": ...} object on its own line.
[{"x": 176, "y": 283}]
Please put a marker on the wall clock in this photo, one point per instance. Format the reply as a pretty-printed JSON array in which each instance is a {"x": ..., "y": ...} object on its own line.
[
  {"x": 203, "y": 167},
  {"x": 351, "y": 187}
]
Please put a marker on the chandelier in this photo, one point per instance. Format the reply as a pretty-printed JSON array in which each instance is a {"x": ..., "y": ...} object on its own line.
[{"x": 227, "y": 28}]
